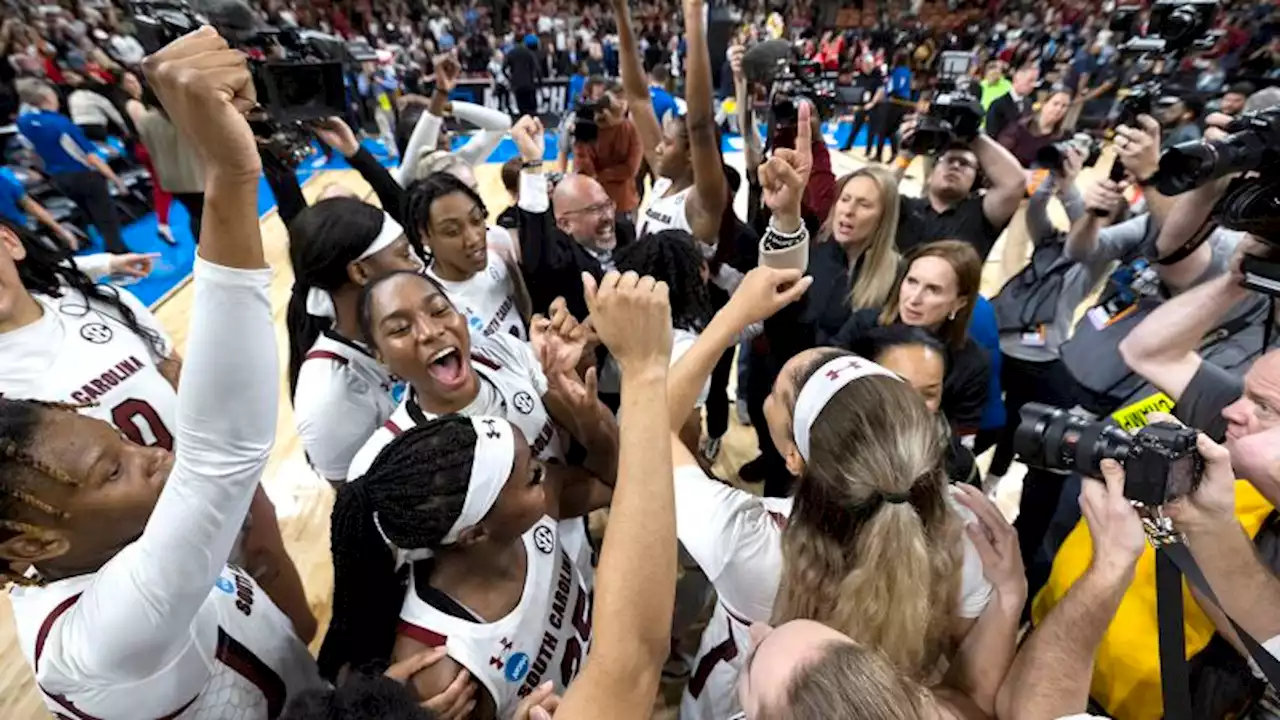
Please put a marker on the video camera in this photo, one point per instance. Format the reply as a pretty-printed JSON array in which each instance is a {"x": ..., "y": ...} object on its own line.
[
  {"x": 794, "y": 81},
  {"x": 1161, "y": 462},
  {"x": 298, "y": 74},
  {"x": 954, "y": 116},
  {"x": 585, "y": 127},
  {"x": 1053, "y": 157}
]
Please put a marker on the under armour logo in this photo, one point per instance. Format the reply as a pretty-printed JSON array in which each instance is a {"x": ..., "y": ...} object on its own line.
[
  {"x": 834, "y": 373},
  {"x": 493, "y": 429}
]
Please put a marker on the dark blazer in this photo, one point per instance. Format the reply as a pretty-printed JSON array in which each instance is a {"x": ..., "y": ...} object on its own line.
[
  {"x": 1004, "y": 111},
  {"x": 552, "y": 263}
]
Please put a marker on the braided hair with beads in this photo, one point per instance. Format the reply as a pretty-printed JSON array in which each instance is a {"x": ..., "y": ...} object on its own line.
[
  {"x": 411, "y": 496},
  {"x": 20, "y": 472}
]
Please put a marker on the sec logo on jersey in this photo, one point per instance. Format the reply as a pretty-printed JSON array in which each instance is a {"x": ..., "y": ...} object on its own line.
[
  {"x": 543, "y": 539},
  {"x": 523, "y": 402},
  {"x": 96, "y": 333}
]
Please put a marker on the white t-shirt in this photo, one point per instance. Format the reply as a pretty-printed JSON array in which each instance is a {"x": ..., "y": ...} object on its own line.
[
  {"x": 736, "y": 538},
  {"x": 343, "y": 395},
  {"x": 80, "y": 351},
  {"x": 487, "y": 299},
  {"x": 165, "y": 628},
  {"x": 511, "y": 386}
]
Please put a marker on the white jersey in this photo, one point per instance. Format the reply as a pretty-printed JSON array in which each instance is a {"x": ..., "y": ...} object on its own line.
[
  {"x": 81, "y": 352},
  {"x": 736, "y": 538},
  {"x": 547, "y": 635},
  {"x": 487, "y": 300},
  {"x": 243, "y": 659},
  {"x": 664, "y": 213},
  {"x": 343, "y": 395},
  {"x": 511, "y": 387}
]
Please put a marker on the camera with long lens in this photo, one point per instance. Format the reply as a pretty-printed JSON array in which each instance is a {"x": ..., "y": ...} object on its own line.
[
  {"x": 1161, "y": 462},
  {"x": 298, "y": 75},
  {"x": 1172, "y": 26},
  {"x": 954, "y": 116},
  {"x": 586, "y": 127},
  {"x": 1053, "y": 157},
  {"x": 795, "y": 81}
]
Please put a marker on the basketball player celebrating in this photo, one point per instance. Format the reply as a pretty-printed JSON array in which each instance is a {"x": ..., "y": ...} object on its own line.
[
  {"x": 127, "y": 608},
  {"x": 692, "y": 191},
  {"x": 482, "y": 284},
  {"x": 497, "y": 576},
  {"x": 417, "y": 333},
  {"x": 64, "y": 339},
  {"x": 869, "y": 529},
  {"x": 341, "y": 394}
]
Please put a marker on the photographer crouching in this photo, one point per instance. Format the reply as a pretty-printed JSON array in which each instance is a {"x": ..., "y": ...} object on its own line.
[{"x": 607, "y": 147}]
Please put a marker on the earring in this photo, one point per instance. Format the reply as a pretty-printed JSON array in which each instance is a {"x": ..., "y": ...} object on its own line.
[{"x": 952, "y": 316}]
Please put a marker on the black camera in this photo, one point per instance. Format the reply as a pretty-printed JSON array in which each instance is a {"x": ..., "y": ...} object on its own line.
[
  {"x": 1173, "y": 26},
  {"x": 1253, "y": 143},
  {"x": 795, "y": 81},
  {"x": 1053, "y": 157},
  {"x": 955, "y": 116},
  {"x": 1161, "y": 462},
  {"x": 585, "y": 126},
  {"x": 298, "y": 75}
]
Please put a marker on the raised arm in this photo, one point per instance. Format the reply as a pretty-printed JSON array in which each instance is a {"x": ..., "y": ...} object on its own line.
[
  {"x": 635, "y": 583},
  {"x": 752, "y": 143},
  {"x": 136, "y": 617},
  {"x": 1163, "y": 347},
  {"x": 335, "y": 133},
  {"x": 426, "y": 133},
  {"x": 1008, "y": 180},
  {"x": 635, "y": 85},
  {"x": 493, "y": 126},
  {"x": 1050, "y": 676},
  {"x": 711, "y": 192}
]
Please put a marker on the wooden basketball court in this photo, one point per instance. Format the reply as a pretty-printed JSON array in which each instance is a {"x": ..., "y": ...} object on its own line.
[{"x": 303, "y": 500}]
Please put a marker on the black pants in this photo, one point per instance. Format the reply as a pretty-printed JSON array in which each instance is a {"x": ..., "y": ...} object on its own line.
[
  {"x": 193, "y": 203},
  {"x": 527, "y": 101},
  {"x": 860, "y": 118},
  {"x": 88, "y": 190},
  {"x": 888, "y": 116},
  {"x": 718, "y": 397},
  {"x": 769, "y": 466}
]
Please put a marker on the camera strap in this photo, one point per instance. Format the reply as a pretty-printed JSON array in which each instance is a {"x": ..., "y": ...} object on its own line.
[{"x": 1174, "y": 562}]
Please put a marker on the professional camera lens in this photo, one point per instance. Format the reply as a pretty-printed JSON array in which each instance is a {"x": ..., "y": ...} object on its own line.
[
  {"x": 1249, "y": 147},
  {"x": 1054, "y": 439}
]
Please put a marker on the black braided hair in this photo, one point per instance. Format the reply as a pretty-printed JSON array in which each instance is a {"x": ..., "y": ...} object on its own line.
[
  {"x": 416, "y": 486},
  {"x": 422, "y": 193},
  {"x": 672, "y": 256},
  {"x": 19, "y": 426},
  {"x": 364, "y": 696},
  {"x": 364, "y": 307},
  {"x": 324, "y": 239},
  {"x": 49, "y": 271}
]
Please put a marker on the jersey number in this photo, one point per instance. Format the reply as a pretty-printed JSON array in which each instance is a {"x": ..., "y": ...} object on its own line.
[
  {"x": 141, "y": 423},
  {"x": 572, "y": 659}
]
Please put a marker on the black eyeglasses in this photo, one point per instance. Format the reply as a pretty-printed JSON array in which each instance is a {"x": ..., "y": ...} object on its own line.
[{"x": 600, "y": 208}]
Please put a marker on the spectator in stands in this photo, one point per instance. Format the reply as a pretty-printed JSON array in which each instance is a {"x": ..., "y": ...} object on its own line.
[
  {"x": 1233, "y": 100},
  {"x": 179, "y": 170},
  {"x": 1009, "y": 109},
  {"x": 89, "y": 108},
  {"x": 1026, "y": 138},
  {"x": 71, "y": 161},
  {"x": 16, "y": 205},
  {"x": 614, "y": 156}
]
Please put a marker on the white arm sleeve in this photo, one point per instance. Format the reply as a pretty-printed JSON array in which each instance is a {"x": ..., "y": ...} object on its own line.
[
  {"x": 425, "y": 135},
  {"x": 493, "y": 127},
  {"x": 96, "y": 266},
  {"x": 136, "y": 616},
  {"x": 733, "y": 538}
]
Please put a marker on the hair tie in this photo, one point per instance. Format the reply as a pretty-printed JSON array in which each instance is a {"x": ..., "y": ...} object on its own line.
[
  {"x": 821, "y": 387},
  {"x": 896, "y": 498}
]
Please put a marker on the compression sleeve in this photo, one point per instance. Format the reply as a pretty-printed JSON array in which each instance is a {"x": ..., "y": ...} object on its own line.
[
  {"x": 137, "y": 615},
  {"x": 493, "y": 127},
  {"x": 96, "y": 266},
  {"x": 425, "y": 135}
]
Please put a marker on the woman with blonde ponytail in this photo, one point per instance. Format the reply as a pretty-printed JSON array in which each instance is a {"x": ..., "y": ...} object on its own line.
[{"x": 869, "y": 544}]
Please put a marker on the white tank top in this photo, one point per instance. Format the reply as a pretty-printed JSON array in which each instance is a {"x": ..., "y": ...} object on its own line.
[
  {"x": 487, "y": 300},
  {"x": 546, "y": 637},
  {"x": 511, "y": 387},
  {"x": 81, "y": 352},
  {"x": 243, "y": 655},
  {"x": 664, "y": 213}
]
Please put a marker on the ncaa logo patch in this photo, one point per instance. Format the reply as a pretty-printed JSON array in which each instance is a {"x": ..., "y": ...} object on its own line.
[
  {"x": 543, "y": 539},
  {"x": 225, "y": 585},
  {"x": 523, "y": 402},
  {"x": 96, "y": 333},
  {"x": 517, "y": 667}
]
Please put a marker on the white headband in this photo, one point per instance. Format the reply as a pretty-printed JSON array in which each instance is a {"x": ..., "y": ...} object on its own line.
[
  {"x": 495, "y": 457},
  {"x": 320, "y": 302},
  {"x": 821, "y": 387}
]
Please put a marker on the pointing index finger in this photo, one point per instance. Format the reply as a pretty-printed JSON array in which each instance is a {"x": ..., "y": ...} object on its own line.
[{"x": 804, "y": 131}]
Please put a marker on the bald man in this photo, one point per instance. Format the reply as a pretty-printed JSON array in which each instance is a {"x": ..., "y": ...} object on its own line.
[{"x": 581, "y": 237}]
